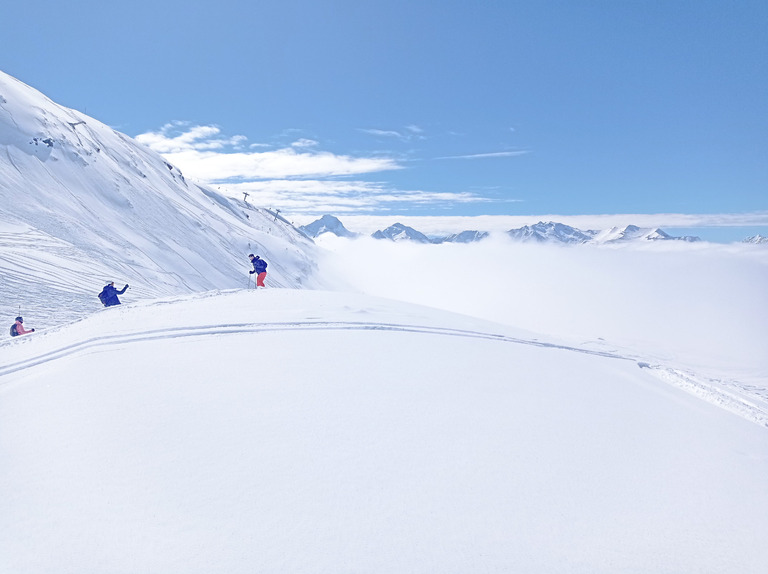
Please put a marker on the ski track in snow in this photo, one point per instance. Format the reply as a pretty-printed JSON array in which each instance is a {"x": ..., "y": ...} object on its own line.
[{"x": 747, "y": 401}]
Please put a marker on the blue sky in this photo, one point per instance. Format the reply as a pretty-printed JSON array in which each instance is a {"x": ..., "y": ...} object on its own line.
[{"x": 425, "y": 107}]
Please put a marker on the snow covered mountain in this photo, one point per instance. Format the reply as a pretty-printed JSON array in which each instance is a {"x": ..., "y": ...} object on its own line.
[
  {"x": 756, "y": 239},
  {"x": 634, "y": 233},
  {"x": 468, "y": 236},
  {"x": 550, "y": 232},
  {"x": 84, "y": 204},
  {"x": 541, "y": 232},
  {"x": 396, "y": 232},
  {"x": 327, "y": 224},
  {"x": 400, "y": 232}
]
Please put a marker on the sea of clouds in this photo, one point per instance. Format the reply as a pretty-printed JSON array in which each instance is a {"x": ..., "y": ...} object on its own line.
[{"x": 699, "y": 304}]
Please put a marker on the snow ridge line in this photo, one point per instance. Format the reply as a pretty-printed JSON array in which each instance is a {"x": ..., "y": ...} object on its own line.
[{"x": 238, "y": 328}]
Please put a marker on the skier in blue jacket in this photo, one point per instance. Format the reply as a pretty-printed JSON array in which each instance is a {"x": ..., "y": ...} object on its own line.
[
  {"x": 109, "y": 294},
  {"x": 259, "y": 268}
]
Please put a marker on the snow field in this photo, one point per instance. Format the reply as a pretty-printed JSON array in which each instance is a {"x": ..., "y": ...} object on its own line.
[{"x": 361, "y": 444}]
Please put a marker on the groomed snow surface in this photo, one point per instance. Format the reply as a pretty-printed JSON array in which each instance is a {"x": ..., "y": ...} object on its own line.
[{"x": 308, "y": 431}]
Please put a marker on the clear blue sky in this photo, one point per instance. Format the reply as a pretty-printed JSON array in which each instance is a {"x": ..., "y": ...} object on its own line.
[{"x": 425, "y": 107}]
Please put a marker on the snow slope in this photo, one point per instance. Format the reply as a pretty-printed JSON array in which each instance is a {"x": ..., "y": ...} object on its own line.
[
  {"x": 309, "y": 431},
  {"x": 89, "y": 205}
]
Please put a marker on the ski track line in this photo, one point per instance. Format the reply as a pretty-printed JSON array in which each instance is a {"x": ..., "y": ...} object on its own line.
[
  {"x": 239, "y": 328},
  {"x": 713, "y": 391},
  {"x": 705, "y": 389}
]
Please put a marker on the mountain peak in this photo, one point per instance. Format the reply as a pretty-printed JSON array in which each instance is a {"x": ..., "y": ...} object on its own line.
[
  {"x": 327, "y": 224},
  {"x": 549, "y": 232},
  {"x": 400, "y": 232}
]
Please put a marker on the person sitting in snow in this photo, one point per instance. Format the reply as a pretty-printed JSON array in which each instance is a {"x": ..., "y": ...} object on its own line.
[
  {"x": 260, "y": 268},
  {"x": 18, "y": 328},
  {"x": 109, "y": 294}
]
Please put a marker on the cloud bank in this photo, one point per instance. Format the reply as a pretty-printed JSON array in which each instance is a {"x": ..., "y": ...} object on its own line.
[{"x": 661, "y": 300}]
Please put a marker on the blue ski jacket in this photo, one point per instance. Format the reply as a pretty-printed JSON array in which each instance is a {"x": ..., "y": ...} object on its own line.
[
  {"x": 110, "y": 295},
  {"x": 259, "y": 265}
]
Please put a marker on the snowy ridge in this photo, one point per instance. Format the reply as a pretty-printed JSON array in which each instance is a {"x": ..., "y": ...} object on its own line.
[
  {"x": 550, "y": 232},
  {"x": 738, "y": 398},
  {"x": 400, "y": 232},
  {"x": 95, "y": 206},
  {"x": 756, "y": 239},
  {"x": 466, "y": 236},
  {"x": 541, "y": 232}
]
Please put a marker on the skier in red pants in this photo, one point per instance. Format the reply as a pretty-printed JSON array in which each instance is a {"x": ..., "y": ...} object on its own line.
[{"x": 260, "y": 268}]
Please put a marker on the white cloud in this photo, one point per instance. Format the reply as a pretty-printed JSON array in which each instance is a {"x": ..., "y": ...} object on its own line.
[
  {"x": 338, "y": 196},
  {"x": 486, "y": 155},
  {"x": 200, "y": 138},
  {"x": 383, "y": 133},
  {"x": 413, "y": 133},
  {"x": 201, "y": 151},
  {"x": 304, "y": 142},
  {"x": 299, "y": 176},
  {"x": 281, "y": 163}
]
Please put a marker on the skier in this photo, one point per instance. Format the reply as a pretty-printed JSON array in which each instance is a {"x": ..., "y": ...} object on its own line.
[
  {"x": 260, "y": 268},
  {"x": 18, "y": 328},
  {"x": 109, "y": 294}
]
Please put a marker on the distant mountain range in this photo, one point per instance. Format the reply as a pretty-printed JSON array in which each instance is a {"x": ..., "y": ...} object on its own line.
[
  {"x": 756, "y": 239},
  {"x": 542, "y": 232}
]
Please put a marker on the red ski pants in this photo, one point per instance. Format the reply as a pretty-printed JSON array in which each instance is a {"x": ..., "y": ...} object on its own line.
[{"x": 260, "y": 279}]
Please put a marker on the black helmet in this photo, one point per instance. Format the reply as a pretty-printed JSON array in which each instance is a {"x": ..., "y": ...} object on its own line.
[{"x": 19, "y": 319}]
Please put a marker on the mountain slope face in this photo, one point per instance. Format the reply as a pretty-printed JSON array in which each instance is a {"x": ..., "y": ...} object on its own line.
[{"x": 81, "y": 204}]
